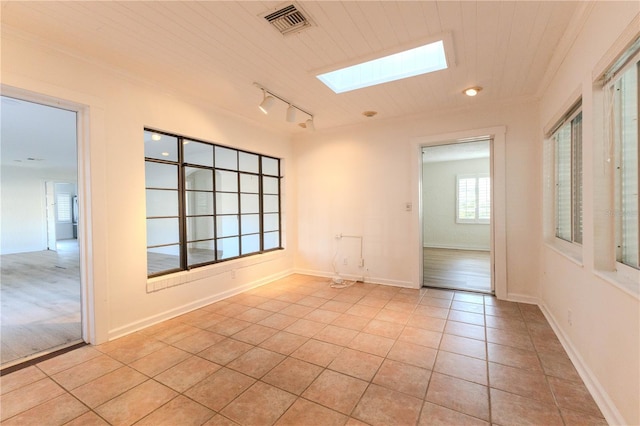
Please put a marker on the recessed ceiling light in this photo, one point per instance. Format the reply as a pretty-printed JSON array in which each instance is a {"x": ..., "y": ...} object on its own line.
[
  {"x": 165, "y": 154},
  {"x": 472, "y": 91},
  {"x": 156, "y": 137},
  {"x": 419, "y": 60}
]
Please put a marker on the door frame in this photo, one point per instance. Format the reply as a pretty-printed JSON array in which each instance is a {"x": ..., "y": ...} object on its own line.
[{"x": 498, "y": 211}]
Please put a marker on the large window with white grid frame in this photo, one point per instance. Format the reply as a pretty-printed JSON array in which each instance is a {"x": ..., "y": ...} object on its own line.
[{"x": 207, "y": 203}]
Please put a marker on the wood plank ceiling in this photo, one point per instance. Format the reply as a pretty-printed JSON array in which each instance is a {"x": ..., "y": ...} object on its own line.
[{"x": 216, "y": 50}]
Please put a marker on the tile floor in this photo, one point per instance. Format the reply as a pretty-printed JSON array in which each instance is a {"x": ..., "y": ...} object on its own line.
[{"x": 298, "y": 352}]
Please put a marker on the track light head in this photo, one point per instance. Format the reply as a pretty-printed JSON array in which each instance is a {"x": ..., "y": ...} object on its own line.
[
  {"x": 267, "y": 103},
  {"x": 309, "y": 124},
  {"x": 291, "y": 114}
]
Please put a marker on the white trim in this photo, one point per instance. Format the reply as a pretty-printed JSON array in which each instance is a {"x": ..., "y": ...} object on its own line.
[
  {"x": 566, "y": 249},
  {"x": 522, "y": 298},
  {"x": 448, "y": 247},
  {"x": 597, "y": 391},
  {"x": 349, "y": 277}
]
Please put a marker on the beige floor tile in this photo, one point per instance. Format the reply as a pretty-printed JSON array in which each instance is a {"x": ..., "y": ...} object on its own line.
[
  {"x": 370, "y": 343},
  {"x": 384, "y": 328},
  {"x": 525, "y": 383},
  {"x": 56, "y": 411},
  {"x": 254, "y": 315},
  {"x": 576, "y": 418},
  {"x": 324, "y": 316},
  {"x": 374, "y": 302},
  {"x": 336, "y": 391},
  {"x": 435, "y": 415},
  {"x": 304, "y": 412},
  {"x": 198, "y": 341},
  {"x": 356, "y": 363},
  {"x": 509, "y": 409},
  {"x": 225, "y": 351},
  {"x": 256, "y": 362},
  {"x": 381, "y": 406},
  {"x": 312, "y": 301},
  {"x": 67, "y": 360},
  {"x": 469, "y": 298},
  {"x": 393, "y": 316},
  {"x": 505, "y": 323},
  {"x": 465, "y": 330},
  {"x": 421, "y": 336},
  {"x": 410, "y": 353},
  {"x": 173, "y": 334},
  {"x": 179, "y": 411},
  {"x": 462, "y": 367},
  {"x": 220, "y": 420},
  {"x": 293, "y": 375},
  {"x": 135, "y": 348},
  {"x": 20, "y": 378},
  {"x": 427, "y": 322},
  {"x": 559, "y": 365},
  {"x": 262, "y": 404},
  {"x": 403, "y": 378},
  {"x": 231, "y": 309},
  {"x": 136, "y": 403},
  {"x": 336, "y": 335},
  {"x": 510, "y": 311},
  {"x": 273, "y": 305},
  {"x": 110, "y": 385},
  {"x": 220, "y": 388},
  {"x": 463, "y": 346},
  {"x": 28, "y": 397},
  {"x": 278, "y": 321},
  {"x": 87, "y": 419},
  {"x": 475, "y": 308},
  {"x": 317, "y": 352},
  {"x": 513, "y": 357},
  {"x": 574, "y": 396},
  {"x": 336, "y": 306},
  {"x": 516, "y": 339},
  {"x": 435, "y": 302},
  {"x": 467, "y": 317},
  {"x": 160, "y": 360},
  {"x": 459, "y": 395},
  {"x": 400, "y": 305},
  {"x": 298, "y": 311},
  {"x": 87, "y": 371},
  {"x": 186, "y": 374},
  {"x": 432, "y": 311},
  {"x": 363, "y": 311},
  {"x": 255, "y": 334},
  {"x": 304, "y": 327},
  {"x": 284, "y": 342},
  {"x": 352, "y": 322},
  {"x": 201, "y": 318},
  {"x": 229, "y": 326}
]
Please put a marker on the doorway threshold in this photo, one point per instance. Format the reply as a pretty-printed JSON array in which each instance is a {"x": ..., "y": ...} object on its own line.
[{"x": 28, "y": 361}]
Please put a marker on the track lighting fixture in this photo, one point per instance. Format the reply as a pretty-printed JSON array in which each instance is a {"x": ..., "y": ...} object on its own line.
[{"x": 268, "y": 98}]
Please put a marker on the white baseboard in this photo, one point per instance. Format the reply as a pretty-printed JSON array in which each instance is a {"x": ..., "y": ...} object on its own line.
[
  {"x": 369, "y": 280},
  {"x": 181, "y": 310},
  {"x": 600, "y": 396},
  {"x": 522, "y": 298}
]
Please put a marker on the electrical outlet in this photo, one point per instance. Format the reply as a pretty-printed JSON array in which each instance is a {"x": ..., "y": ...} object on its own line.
[
  {"x": 345, "y": 262},
  {"x": 570, "y": 317},
  {"x": 361, "y": 264}
]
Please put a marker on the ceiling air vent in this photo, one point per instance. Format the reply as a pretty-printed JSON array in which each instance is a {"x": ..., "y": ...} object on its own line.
[{"x": 288, "y": 19}]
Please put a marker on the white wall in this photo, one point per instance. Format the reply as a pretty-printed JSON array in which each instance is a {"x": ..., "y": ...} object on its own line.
[
  {"x": 357, "y": 180},
  {"x": 439, "y": 206},
  {"x": 24, "y": 220},
  {"x": 112, "y": 164},
  {"x": 604, "y": 335}
]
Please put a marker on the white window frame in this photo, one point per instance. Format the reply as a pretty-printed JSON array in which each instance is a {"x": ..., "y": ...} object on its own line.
[
  {"x": 64, "y": 210},
  {"x": 476, "y": 219}
]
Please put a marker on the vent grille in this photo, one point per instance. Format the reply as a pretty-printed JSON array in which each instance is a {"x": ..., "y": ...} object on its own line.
[{"x": 288, "y": 19}]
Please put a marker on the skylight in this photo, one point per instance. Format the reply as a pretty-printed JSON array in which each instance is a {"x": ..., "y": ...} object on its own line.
[{"x": 412, "y": 62}]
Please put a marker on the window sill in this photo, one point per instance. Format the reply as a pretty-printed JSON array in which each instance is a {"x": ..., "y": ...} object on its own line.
[
  {"x": 572, "y": 252},
  {"x": 621, "y": 281}
]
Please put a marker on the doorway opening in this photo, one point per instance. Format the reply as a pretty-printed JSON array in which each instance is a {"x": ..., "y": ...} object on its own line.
[
  {"x": 40, "y": 287},
  {"x": 457, "y": 215}
]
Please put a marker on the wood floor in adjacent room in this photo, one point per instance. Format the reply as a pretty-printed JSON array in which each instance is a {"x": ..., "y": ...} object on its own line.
[
  {"x": 457, "y": 269},
  {"x": 40, "y": 296}
]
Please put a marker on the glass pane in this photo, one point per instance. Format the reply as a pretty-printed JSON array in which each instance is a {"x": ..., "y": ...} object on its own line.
[
  {"x": 271, "y": 240},
  {"x": 270, "y": 185},
  {"x": 249, "y": 162},
  {"x": 563, "y": 182},
  {"x": 199, "y": 203},
  {"x": 271, "y": 222},
  {"x": 270, "y": 166},
  {"x": 249, "y": 183},
  {"x": 226, "y": 181},
  {"x": 199, "y": 228},
  {"x": 227, "y": 226},
  {"x": 467, "y": 198},
  {"x": 250, "y": 244},
  {"x": 226, "y": 203},
  {"x": 271, "y": 204},
  {"x": 249, "y": 203},
  {"x": 228, "y": 248},
  {"x": 200, "y": 179},
  {"x": 197, "y": 153},
  {"x": 162, "y": 202},
  {"x": 226, "y": 158},
  {"x": 250, "y": 223},
  {"x": 159, "y": 146},
  {"x": 200, "y": 252},
  {"x": 159, "y": 175},
  {"x": 161, "y": 259},
  {"x": 162, "y": 231}
]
